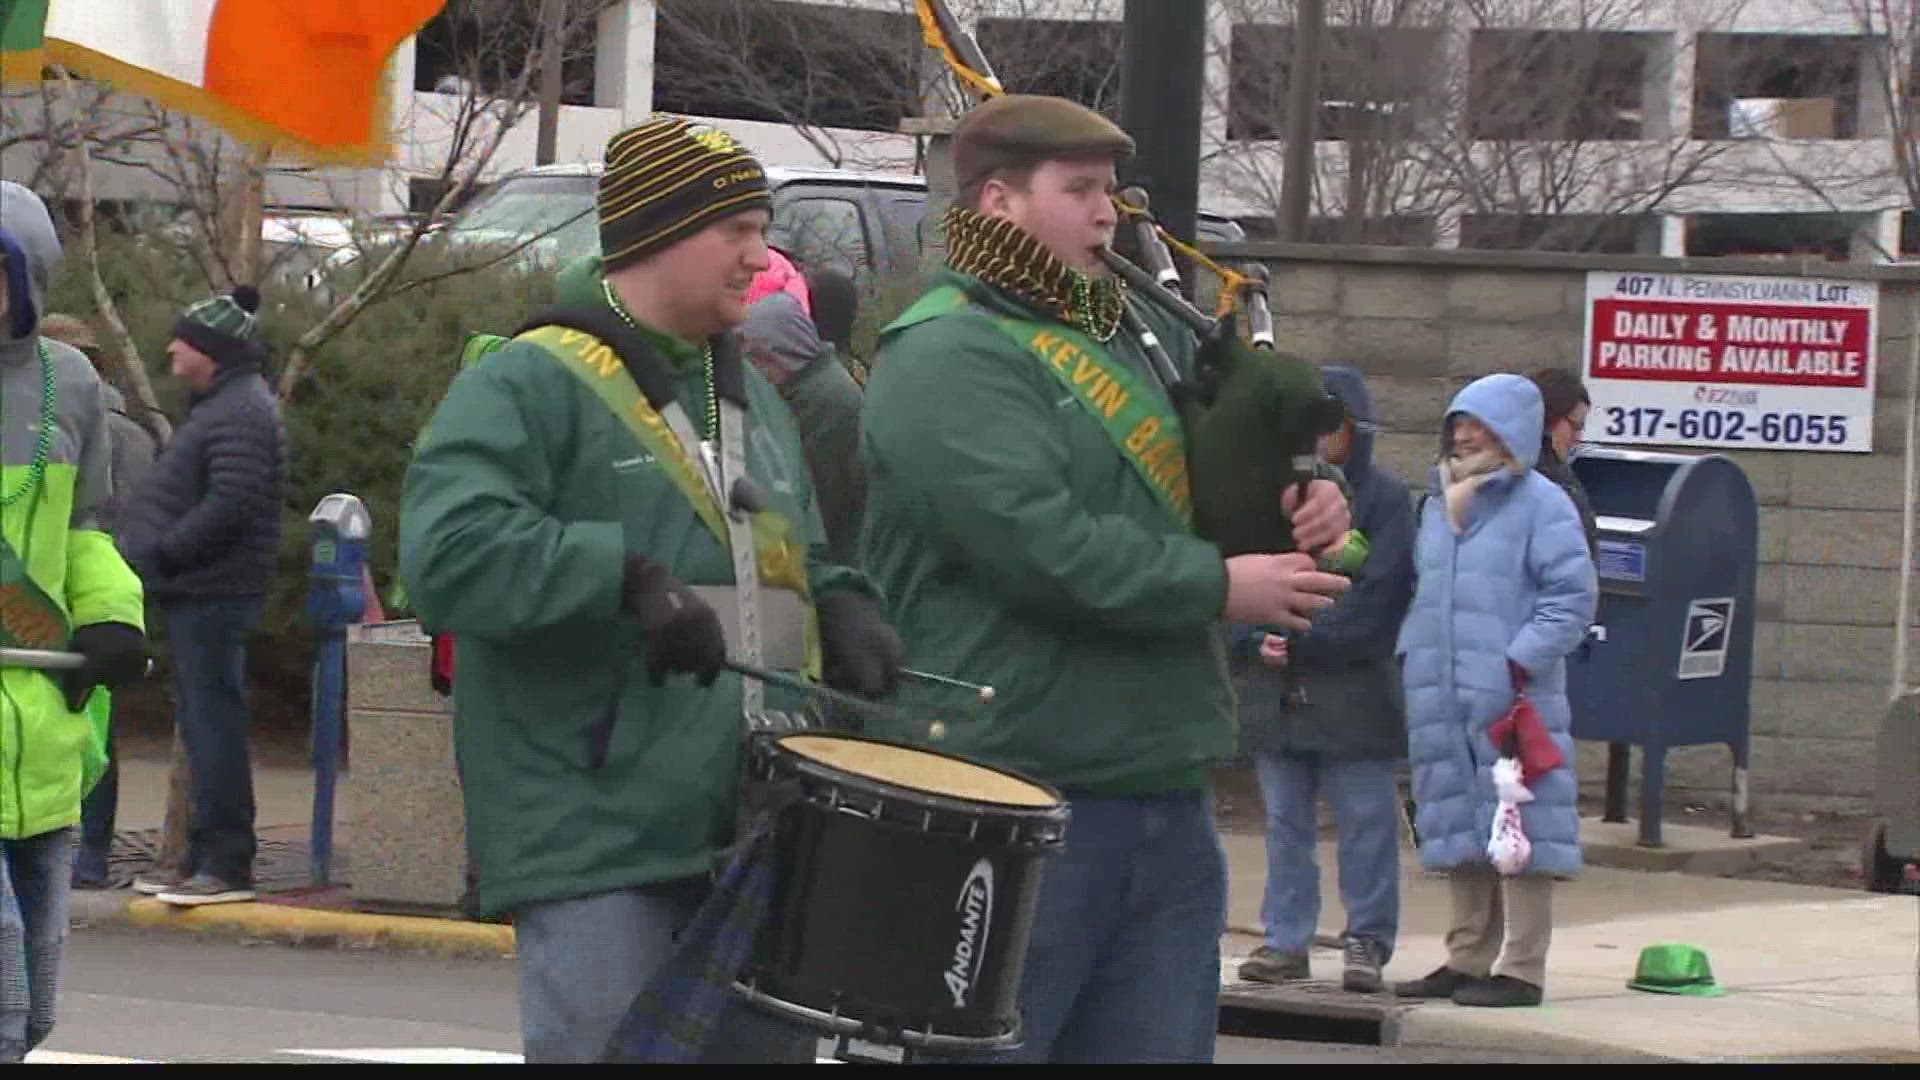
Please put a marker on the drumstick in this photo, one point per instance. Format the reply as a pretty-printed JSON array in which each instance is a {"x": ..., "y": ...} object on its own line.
[
  {"x": 801, "y": 686},
  {"x": 984, "y": 693},
  {"x": 50, "y": 660}
]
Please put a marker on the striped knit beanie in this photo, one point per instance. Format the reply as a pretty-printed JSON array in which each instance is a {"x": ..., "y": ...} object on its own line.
[
  {"x": 667, "y": 179},
  {"x": 224, "y": 327}
]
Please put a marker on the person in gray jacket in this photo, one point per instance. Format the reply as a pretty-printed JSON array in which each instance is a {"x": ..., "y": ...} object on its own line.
[
  {"x": 780, "y": 338},
  {"x": 1321, "y": 714},
  {"x": 132, "y": 454}
]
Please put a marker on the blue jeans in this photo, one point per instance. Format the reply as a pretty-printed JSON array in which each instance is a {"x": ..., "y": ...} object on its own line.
[
  {"x": 583, "y": 961},
  {"x": 207, "y": 637},
  {"x": 97, "y": 813},
  {"x": 1124, "y": 961},
  {"x": 1365, "y": 814},
  {"x": 34, "y": 887}
]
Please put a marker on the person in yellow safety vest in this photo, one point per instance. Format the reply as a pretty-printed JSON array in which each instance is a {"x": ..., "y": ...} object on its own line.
[{"x": 63, "y": 586}]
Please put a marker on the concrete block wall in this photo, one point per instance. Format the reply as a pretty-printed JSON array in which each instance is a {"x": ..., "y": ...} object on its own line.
[{"x": 1421, "y": 324}]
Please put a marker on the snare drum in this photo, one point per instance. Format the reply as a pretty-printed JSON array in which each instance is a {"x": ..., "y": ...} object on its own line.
[{"x": 905, "y": 889}]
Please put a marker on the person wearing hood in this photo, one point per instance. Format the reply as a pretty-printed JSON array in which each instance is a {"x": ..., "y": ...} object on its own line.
[
  {"x": 62, "y": 586},
  {"x": 133, "y": 452},
  {"x": 204, "y": 533},
  {"x": 780, "y": 338},
  {"x": 1506, "y": 589},
  {"x": 1320, "y": 713}
]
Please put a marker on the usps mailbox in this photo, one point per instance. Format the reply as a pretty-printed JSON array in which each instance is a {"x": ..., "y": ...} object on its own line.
[{"x": 1669, "y": 659}]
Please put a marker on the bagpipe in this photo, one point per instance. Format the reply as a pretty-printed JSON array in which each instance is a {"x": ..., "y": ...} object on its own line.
[{"x": 1252, "y": 415}]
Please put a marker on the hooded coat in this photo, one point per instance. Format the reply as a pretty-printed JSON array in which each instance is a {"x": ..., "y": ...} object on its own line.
[
  {"x": 826, "y": 404},
  {"x": 52, "y": 526},
  {"x": 1516, "y": 583},
  {"x": 1349, "y": 706}
]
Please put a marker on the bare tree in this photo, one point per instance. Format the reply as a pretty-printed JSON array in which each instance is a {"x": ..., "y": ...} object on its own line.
[
  {"x": 826, "y": 71},
  {"x": 497, "y": 67},
  {"x": 838, "y": 75},
  {"x": 1835, "y": 129},
  {"x": 1546, "y": 117}
]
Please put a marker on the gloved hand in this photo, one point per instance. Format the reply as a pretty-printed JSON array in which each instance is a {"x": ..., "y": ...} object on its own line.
[
  {"x": 682, "y": 632},
  {"x": 861, "y": 654},
  {"x": 116, "y": 656}
]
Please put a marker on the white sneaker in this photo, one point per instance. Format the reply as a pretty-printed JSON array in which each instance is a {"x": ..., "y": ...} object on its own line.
[{"x": 202, "y": 889}]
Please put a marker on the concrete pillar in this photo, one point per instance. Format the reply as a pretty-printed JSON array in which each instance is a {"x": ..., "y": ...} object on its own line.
[
  {"x": 623, "y": 64},
  {"x": 1673, "y": 234},
  {"x": 937, "y": 135},
  {"x": 1876, "y": 237},
  {"x": 1657, "y": 105},
  {"x": 1676, "y": 68},
  {"x": 1453, "y": 69},
  {"x": 1216, "y": 82},
  {"x": 1871, "y": 120},
  {"x": 406, "y": 827},
  {"x": 387, "y": 194}
]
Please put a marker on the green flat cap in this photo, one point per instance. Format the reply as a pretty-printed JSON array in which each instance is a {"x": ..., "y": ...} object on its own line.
[
  {"x": 1675, "y": 969},
  {"x": 1015, "y": 128}
]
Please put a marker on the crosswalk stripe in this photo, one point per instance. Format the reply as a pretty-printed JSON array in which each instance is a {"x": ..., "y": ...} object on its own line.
[
  {"x": 372, "y": 1055},
  {"x": 61, "y": 1057},
  {"x": 413, "y": 1055}
]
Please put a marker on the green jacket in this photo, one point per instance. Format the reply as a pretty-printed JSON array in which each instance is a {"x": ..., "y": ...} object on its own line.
[
  {"x": 48, "y": 755},
  {"x": 1017, "y": 547},
  {"x": 518, "y": 507}
]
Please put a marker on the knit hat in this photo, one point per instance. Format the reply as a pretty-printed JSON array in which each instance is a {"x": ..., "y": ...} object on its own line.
[
  {"x": 1016, "y": 129},
  {"x": 667, "y": 179},
  {"x": 223, "y": 327}
]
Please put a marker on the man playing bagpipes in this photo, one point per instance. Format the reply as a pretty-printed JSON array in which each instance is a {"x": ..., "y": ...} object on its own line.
[{"x": 1031, "y": 521}]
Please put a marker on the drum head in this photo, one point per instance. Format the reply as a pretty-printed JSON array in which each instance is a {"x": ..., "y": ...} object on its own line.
[{"x": 925, "y": 771}]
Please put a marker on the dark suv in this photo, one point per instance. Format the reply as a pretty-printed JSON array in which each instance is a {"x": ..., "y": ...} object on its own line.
[{"x": 858, "y": 222}]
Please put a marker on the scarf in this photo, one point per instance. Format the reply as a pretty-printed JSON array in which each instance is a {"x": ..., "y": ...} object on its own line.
[
  {"x": 1007, "y": 257},
  {"x": 1463, "y": 476}
]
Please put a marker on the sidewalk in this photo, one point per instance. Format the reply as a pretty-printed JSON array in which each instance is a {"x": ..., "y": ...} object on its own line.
[
  {"x": 287, "y": 910},
  {"x": 1809, "y": 972}
]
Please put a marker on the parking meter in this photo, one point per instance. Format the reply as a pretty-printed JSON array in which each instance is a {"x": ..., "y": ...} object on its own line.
[{"x": 340, "y": 528}]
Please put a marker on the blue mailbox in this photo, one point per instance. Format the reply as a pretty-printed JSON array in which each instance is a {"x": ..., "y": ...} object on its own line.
[
  {"x": 335, "y": 600},
  {"x": 1669, "y": 659}
]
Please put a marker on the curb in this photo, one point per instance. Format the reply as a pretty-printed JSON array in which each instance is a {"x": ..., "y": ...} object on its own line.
[
  {"x": 1455, "y": 1028},
  {"x": 301, "y": 926}
]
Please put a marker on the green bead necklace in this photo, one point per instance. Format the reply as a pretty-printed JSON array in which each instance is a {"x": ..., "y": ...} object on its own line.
[
  {"x": 706, "y": 352},
  {"x": 44, "y": 442}
]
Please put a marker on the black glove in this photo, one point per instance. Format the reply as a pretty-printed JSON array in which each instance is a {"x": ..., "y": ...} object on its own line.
[
  {"x": 862, "y": 653},
  {"x": 682, "y": 632},
  {"x": 116, "y": 656}
]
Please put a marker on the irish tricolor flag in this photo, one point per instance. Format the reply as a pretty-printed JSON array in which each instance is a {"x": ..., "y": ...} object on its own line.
[{"x": 303, "y": 75}]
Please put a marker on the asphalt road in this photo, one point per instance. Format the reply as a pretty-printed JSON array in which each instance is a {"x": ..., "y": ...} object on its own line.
[{"x": 145, "y": 996}]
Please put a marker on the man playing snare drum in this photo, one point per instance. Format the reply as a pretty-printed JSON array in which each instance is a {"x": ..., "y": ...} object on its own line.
[
  {"x": 1024, "y": 525},
  {"x": 579, "y": 553}
]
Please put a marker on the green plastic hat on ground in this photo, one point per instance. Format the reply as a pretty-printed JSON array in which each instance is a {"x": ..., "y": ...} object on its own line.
[{"x": 1675, "y": 969}]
